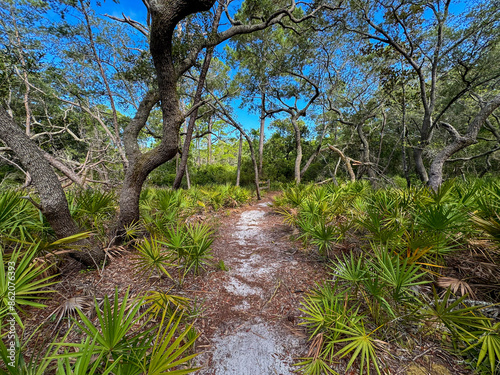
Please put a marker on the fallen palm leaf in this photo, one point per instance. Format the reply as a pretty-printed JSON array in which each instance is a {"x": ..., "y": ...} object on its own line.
[
  {"x": 455, "y": 285},
  {"x": 68, "y": 308},
  {"x": 116, "y": 252}
]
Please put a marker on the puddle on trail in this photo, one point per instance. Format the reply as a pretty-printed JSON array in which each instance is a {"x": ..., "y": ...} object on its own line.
[{"x": 255, "y": 349}]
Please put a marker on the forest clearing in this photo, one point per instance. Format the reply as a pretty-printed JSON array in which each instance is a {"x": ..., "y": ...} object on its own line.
[{"x": 249, "y": 187}]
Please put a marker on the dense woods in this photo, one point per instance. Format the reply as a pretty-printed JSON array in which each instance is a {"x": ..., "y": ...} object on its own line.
[{"x": 125, "y": 128}]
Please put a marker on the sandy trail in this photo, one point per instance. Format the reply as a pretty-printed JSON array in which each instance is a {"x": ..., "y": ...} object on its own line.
[{"x": 250, "y": 322}]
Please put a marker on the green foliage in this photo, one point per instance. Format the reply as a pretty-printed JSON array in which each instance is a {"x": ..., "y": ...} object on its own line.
[
  {"x": 490, "y": 226},
  {"x": 401, "y": 276},
  {"x": 321, "y": 235},
  {"x": 360, "y": 344},
  {"x": 36, "y": 365},
  {"x": 22, "y": 281},
  {"x": 151, "y": 257},
  {"x": 117, "y": 322},
  {"x": 19, "y": 220},
  {"x": 199, "y": 252},
  {"x": 378, "y": 290},
  {"x": 460, "y": 320},
  {"x": 91, "y": 208},
  {"x": 118, "y": 343},
  {"x": 214, "y": 174},
  {"x": 167, "y": 350},
  {"x": 325, "y": 309},
  {"x": 86, "y": 363},
  {"x": 488, "y": 343},
  {"x": 160, "y": 301}
]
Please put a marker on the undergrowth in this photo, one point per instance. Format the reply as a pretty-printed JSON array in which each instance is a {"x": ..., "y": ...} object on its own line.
[
  {"x": 406, "y": 266},
  {"x": 148, "y": 333}
]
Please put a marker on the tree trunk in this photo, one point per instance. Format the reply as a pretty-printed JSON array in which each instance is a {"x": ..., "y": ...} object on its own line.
[
  {"x": 53, "y": 203},
  {"x": 365, "y": 156},
  {"x": 262, "y": 129},
  {"x": 459, "y": 142},
  {"x": 188, "y": 180},
  {"x": 192, "y": 119},
  {"x": 298, "y": 148},
  {"x": 425, "y": 137},
  {"x": 209, "y": 141},
  {"x": 404, "y": 140},
  {"x": 164, "y": 16},
  {"x": 238, "y": 170},
  {"x": 346, "y": 160},
  {"x": 314, "y": 154},
  {"x": 140, "y": 165}
]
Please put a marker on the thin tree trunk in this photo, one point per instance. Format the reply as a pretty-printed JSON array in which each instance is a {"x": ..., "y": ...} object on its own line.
[
  {"x": 53, "y": 203},
  {"x": 238, "y": 169},
  {"x": 262, "y": 129},
  {"x": 298, "y": 148},
  {"x": 188, "y": 180},
  {"x": 314, "y": 154},
  {"x": 365, "y": 156},
  {"x": 230, "y": 119},
  {"x": 192, "y": 119},
  {"x": 209, "y": 141},
  {"x": 346, "y": 160},
  {"x": 404, "y": 141}
]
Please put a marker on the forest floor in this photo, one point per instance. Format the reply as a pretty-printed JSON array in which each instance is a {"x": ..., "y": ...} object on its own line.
[
  {"x": 250, "y": 322},
  {"x": 247, "y": 303}
]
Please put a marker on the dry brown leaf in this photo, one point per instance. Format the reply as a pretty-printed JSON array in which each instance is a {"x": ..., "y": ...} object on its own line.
[{"x": 456, "y": 285}]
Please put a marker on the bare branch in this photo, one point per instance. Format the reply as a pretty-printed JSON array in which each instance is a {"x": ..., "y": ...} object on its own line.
[
  {"x": 144, "y": 30},
  {"x": 497, "y": 148}
]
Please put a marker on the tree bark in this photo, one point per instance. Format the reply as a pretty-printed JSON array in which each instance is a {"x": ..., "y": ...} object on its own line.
[
  {"x": 209, "y": 141},
  {"x": 53, "y": 203},
  {"x": 164, "y": 17},
  {"x": 140, "y": 165},
  {"x": 238, "y": 169},
  {"x": 346, "y": 160},
  {"x": 262, "y": 129},
  {"x": 298, "y": 148},
  {"x": 459, "y": 142},
  {"x": 365, "y": 156}
]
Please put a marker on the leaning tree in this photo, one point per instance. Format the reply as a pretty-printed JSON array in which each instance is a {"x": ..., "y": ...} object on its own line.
[{"x": 164, "y": 16}]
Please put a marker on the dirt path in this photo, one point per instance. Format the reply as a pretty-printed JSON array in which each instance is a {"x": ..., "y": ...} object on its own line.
[{"x": 250, "y": 323}]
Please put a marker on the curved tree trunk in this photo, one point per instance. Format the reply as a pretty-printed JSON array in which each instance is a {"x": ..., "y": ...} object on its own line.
[
  {"x": 459, "y": 142},
  {"x": 53, "y": 203},
  {"x": 140, "y": 165},
  {"x": 418, "y": 152},
  {"x": 164, "y": 17},
  {"x": 346, "y": 160}
]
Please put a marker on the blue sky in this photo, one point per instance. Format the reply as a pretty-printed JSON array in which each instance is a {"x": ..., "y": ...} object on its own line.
[{"x": 136, "y": 10}]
